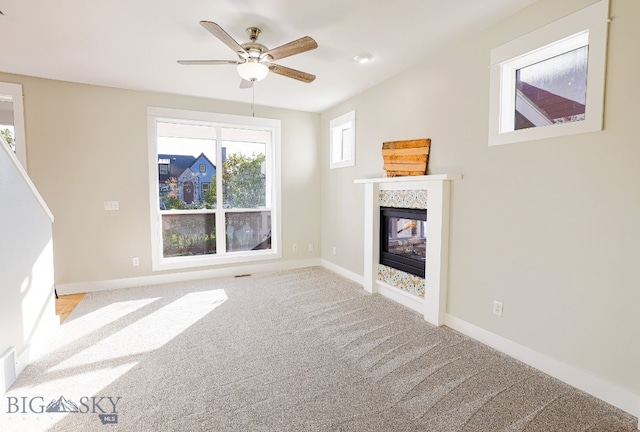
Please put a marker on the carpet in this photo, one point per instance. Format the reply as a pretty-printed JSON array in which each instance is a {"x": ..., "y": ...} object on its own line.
[{"x": 301, "y": 350}]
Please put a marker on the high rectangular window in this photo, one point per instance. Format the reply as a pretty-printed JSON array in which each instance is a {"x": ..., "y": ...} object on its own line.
[
  {"x": 342, "y": 140},
  {"x": 550, "y": 82}
]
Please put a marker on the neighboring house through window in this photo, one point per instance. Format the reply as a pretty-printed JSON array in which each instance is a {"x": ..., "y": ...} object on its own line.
[{"x": 163, "y": 166}]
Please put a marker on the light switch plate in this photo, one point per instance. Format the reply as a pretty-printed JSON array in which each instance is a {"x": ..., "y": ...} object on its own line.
[{"x": 111, "y": 205}]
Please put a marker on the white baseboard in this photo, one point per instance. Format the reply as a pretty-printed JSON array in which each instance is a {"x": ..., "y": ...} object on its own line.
[
  {"x": 92, "y": 286},
  {"x": 8, "y": 369},
  {"x": 404, "y": 298},
  {"x": 355, "y": 277},
  {"x": 580, "y": 379},
  {"x": 409, "y": 300}
]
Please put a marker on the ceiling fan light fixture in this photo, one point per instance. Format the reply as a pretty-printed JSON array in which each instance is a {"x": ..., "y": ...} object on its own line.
[
  {"x": 252, "y": 70},
  {"x": 363, "y": 58}
]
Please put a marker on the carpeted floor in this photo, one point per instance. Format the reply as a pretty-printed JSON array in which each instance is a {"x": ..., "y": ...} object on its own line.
[{"x": 302, "y": 350}]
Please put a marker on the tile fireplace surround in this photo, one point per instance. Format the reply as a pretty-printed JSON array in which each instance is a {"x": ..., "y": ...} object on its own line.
[{"x": 437, "y": 189}]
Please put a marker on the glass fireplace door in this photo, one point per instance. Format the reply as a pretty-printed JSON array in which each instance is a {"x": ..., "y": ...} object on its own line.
[{"x": 403, "y": 239}]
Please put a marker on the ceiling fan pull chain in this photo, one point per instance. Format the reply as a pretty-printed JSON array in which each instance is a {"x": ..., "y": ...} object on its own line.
[{"x": 253, "y": 99}]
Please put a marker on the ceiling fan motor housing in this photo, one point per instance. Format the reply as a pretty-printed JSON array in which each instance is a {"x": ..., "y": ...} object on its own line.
[
  {"x": 254, "y": 49},
  {"x": 253, "y": 33}
]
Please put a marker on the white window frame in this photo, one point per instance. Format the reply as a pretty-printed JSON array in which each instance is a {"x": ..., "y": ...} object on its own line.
[
  {"x": 337, "y": 126},
  {"x": 588, "y": 26},
  {"x": 157, "y": 114},
  {"x": 13, "y": 92}
]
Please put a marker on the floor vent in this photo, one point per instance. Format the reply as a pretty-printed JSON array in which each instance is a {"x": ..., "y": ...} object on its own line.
[{"x": 8, "y": 361}]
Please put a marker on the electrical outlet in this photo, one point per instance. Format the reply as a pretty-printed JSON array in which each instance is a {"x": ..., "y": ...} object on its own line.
[
  {"x": 335, "y": 250},
  {"x": 310, "y": 247},
  {"x": 295, "y": 248},
  {"x": 136, "y": 262},
  {"x": 497, "y": 308}
]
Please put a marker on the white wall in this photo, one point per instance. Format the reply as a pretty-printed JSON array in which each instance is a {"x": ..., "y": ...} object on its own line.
[
  {"x": 550, "y": 228},
  {"x": 27, "y": 308}
]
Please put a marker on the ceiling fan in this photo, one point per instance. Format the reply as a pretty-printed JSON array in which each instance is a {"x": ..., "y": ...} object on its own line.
[{"x": 254, "y": 59}]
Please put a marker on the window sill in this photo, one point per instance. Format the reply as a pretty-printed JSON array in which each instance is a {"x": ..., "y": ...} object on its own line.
[{"x": 241, "y": 257}]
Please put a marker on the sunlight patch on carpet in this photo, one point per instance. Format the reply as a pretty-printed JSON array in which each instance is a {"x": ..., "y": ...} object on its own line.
[
  {"x": 82, "y": 326},
  {"x": 150, "y": 332}
]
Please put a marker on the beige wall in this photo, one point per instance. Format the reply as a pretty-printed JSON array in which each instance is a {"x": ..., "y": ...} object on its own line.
[
  {"x": 549, "y": 227},
  {"x": 88, "y": 144}
]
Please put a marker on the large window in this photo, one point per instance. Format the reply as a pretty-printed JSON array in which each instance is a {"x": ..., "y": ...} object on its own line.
[
  {"x": 550, "y": 82},
  {"x": 214, "y": 182}
]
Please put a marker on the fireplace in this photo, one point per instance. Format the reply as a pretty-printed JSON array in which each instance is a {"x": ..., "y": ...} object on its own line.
[
  {"x": 430, "y": 192},
  {"x": 403, "y": 239}
]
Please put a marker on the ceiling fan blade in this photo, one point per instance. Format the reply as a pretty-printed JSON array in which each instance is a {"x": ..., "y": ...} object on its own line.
[
  {"x": 292, "y": 73},
  {"x": 218, "y": 32},
  {"x": 296, "y": 47},
  {"x": 244, "y": 84},
  {"x": 206, "y": 62}
]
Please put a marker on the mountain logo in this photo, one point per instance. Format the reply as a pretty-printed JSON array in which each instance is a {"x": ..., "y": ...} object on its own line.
[{"x": 61, "y": 405}]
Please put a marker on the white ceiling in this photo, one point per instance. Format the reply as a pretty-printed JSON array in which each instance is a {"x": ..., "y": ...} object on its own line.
[{"x": 134, "y": 44}]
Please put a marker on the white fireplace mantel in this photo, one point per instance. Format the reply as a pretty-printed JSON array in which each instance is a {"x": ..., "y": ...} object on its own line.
[{"x": 433, "y": 306}]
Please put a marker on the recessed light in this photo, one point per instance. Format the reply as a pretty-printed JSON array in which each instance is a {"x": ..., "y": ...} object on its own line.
[{"x": 363, "y": 58}]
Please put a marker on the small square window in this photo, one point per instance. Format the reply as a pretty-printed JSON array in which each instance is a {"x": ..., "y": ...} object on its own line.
[
  {"x": 203, "y": 168},
  {"x": 342, "y": 140},
  {"x": 164, "y": 169}
]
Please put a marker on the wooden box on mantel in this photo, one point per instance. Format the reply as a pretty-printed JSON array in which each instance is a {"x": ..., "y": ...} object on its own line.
[{"x": 406, "y": 158}]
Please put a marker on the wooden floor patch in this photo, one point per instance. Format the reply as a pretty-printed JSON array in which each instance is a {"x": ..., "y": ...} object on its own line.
[{"x": 67, "y": 303}]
